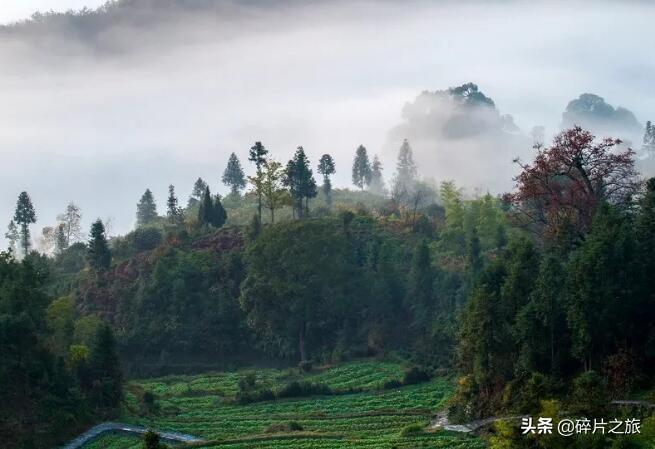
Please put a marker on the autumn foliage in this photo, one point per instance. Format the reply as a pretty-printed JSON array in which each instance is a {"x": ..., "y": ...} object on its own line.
[{"x": 557, "y": 195}]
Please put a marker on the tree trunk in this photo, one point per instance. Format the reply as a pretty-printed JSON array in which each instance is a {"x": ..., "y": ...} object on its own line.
[
  {"x": 301, "y": 343},
  {"x": 272, "y": 215},
  {"x": 259, "y": 207}
]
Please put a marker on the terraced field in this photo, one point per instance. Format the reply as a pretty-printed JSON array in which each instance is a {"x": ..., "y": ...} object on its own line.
[{"x": 364, "y": 416}]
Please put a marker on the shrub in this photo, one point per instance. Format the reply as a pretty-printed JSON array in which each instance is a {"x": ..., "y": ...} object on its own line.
[
  {"x": 391, "y": 384},
  {"x": 291, "y": 426},
  {"x": 248, "y": 397},
  {"x": 247, "y": 381},
  {"x": 412, "y": 429},
  {"x": 589, "y": 394},
  {"x": 305, "y": 366},
  {"x": 415, "y": 375},
  {"x": 298, "y": 389},
  {"x": 151, "y": 441},
  {"x": 148, "y": 399}
]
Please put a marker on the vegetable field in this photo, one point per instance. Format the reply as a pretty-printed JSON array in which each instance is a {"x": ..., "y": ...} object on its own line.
[{"x": 362, "y": 414}]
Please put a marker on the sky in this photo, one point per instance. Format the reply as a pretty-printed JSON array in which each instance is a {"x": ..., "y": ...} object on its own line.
[
  {"x": 15, "y": 10},
  {"x": 98, "y": 113}
]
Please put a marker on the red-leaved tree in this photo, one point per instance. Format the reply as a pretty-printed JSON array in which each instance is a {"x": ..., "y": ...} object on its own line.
[{"x": 558, "y": 193}]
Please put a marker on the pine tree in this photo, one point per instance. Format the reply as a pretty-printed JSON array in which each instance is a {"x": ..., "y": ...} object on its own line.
[
  {"x": 420, "y": 288},
  {"x": 300, "y": 180},
  {"x": 104, "y": 366},
  {"x": 258, "y": 156},
  {"x": 649, "y": 139},
  {"x": 377, "y": 182},
  {"x": 600, "y": 288},
  {"x": 172, "y": 210},
  {"x": 198, "y": 191},
  {"x": 61, "y": 239},
  {"x": 24, "y": 217},
  {"x": 146, "y": 210},
  {"x": 206, "y": 209},
  {"x": 361, "y": 175},
  {"x": 645, "y": 234},
  {"x": 233, "y": 175},
  {"x": 406, "y": 173},
  {"x": 211, "y": 211},
  {"x": 326, "y": 168},
  {"x": 219, "y": 216},
  {"x": 12, "y": 236},
  {"x": 541, "y": 325},
  {"x": 99, "y": 254}
]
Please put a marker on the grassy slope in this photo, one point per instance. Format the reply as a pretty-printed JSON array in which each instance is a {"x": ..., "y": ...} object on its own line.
[{"x": 372, "y": 418}]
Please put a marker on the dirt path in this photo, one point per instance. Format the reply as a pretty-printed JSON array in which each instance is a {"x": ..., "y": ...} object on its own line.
[
  {"x": 442, "y": 422},
  {"x": 100, "y": 429}
]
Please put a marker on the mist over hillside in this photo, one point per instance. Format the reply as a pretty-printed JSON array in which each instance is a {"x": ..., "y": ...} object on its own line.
[{"x": 100, "y": 105}]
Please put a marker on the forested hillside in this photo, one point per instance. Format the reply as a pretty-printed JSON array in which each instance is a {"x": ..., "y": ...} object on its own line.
[{"x": 545, "y": 293}]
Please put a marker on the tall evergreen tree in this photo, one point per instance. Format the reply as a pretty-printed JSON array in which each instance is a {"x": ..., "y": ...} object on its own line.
[
  {"x": 326, "y": 168},
  {"x": 233, "y": 175},
  {"x": 361, "y": 175},
  {"x": 173, "y": 211},
  {"x": 206, "y": 209},
  {"x": 219, "y": 215},
  {"x": 211, "y": 211},
  {"x": 600, "y": 288},
  {"x": 258, "y": 156},
  {"x": 377, "y": 182},
  {"x": 420, "y": 286},
  {"x": 104, "y": 367},
  {"x": 12, "y": 236},
  {"x": 146, "y": 209},
  {"x": 300, "y": 181},
  {"x": 406, "y": 173},
  {"x": 198, "y": 191},
  {"x": 649, "y": 139},
  {"x": 541, "y": 325},
  {"x": 645, "y": 236},
  {"x": 99, "y": 254},
  {"x": 24, "y": 217}
]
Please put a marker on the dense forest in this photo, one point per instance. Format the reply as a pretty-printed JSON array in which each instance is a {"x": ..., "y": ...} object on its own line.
[{"x": 546, "y": 292}]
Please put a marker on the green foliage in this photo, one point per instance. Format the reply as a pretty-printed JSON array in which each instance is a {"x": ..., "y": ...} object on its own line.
[
  {"x": 98, "y": 254},
  {"x": 173, "y": 211},
  {"x": 300, "y": 181},
  {"x": 197, "y": 192},
  {"x": 600, "y": 287},
  {"x": 589, "y": 395},
  {"x": 296, "y": 285},
  {"x": 12, "y": 237},
  {"x": 24, "y": 216},
  {"x": 291, "y": 426},
  {"x": 146, "y": 209},
  {"x": 297, "y": 389},
  {"x": 412, "y": 429},
  {"x": 211, "y": 211},
  {"x": 361, "y": 173},
  {"x": 151, "y": 441},
  {"x": 415, "y": 375},
  {"x": 368, "y": 419},
  {"x": 268, "y": 185},
  {"x": 406, "y": 173},
  {"x": 326, "y": 168},
  {"x": 233, "y": 175}
]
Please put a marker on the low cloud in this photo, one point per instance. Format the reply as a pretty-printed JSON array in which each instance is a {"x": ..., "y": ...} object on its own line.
[{"x": 100, "y": 106}]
